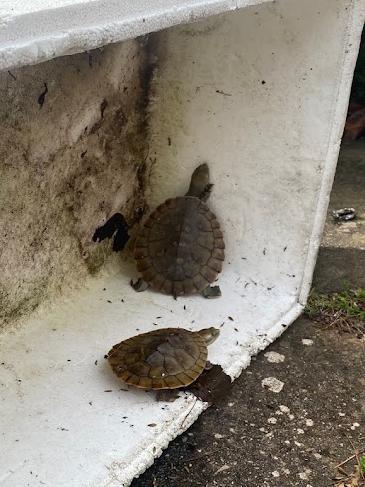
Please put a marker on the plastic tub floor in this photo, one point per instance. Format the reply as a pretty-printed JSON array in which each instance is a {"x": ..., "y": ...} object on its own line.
[
  {"x": 262, "y": 98},
  {"x": 60, "y": 424}
]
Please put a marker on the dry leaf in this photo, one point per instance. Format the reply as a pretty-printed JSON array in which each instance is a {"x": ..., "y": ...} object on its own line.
[{"x": 222, "y": 469}]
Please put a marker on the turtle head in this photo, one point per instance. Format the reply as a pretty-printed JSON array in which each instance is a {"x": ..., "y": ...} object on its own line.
[
  {"x": 209, "y": 334},
  {"x": 199, "y": 181}
]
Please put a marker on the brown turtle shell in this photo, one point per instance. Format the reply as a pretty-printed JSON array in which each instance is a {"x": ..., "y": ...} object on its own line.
[
  {"x": 180, "y": 249},
  {"x": 161, "y": 359}
]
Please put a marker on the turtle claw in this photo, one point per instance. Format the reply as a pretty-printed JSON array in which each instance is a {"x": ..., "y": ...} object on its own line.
[
  {"x": 208, "y": 365},
  {"x": 211, "y": 292},
  {"x": 140, "y": 285}
]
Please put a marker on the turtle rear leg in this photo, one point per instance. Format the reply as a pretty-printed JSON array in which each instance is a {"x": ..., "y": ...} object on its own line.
[
  {"x": 140, "y": 285},
  {"x": 211, "y": 292},
  {"x": 167, "y": 395}
]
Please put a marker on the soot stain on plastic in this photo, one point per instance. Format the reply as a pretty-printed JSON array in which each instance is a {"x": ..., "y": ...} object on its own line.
[
  {"x": 149, "y": 46},
  {"x": 116, "y": 227}
]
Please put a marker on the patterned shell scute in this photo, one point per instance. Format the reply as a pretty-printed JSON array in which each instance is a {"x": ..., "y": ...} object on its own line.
[
  {"x": 180, "y": 249},
  {"x": 161, "y": 359}
]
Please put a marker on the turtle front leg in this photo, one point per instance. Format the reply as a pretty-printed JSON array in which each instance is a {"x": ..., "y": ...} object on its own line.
[
  {"x": 211, "y": 292},
  {"x": 140, "y": 285}
]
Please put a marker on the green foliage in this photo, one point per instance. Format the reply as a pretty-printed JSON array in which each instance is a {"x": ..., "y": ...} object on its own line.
[
  {"x": 358, "y": 85},
  {"x": 362, "y": 464},
  {"x": 350, "y": 302}
]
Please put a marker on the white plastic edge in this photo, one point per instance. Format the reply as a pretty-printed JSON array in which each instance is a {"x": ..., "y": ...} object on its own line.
[
  {"x": 30, "y": 36},
  {"x": 351, "y": 42}
]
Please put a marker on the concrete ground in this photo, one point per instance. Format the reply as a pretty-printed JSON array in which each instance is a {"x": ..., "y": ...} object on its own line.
[
  {"x": 341, "y": 256},
  {"x": 295, "y": 437}
]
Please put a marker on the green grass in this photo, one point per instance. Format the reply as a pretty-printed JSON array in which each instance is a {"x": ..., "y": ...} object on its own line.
[
  {"x": 344, "y": 310},
  {"x": 349, "y": 301},
  {"x": 358, "y": 85},
  {"x": 362, "y": 465}
]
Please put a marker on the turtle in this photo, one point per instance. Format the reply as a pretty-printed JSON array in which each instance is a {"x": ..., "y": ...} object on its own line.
[
  {"x": 169, "y": 358},
  {"x": 180, "y": 249}
]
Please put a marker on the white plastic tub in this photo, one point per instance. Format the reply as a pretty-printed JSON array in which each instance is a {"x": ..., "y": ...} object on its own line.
[{"x": 260, "y": 93}]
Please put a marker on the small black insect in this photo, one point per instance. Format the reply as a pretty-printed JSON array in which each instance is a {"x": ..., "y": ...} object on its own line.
[{"x": 42, "y": 96}]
